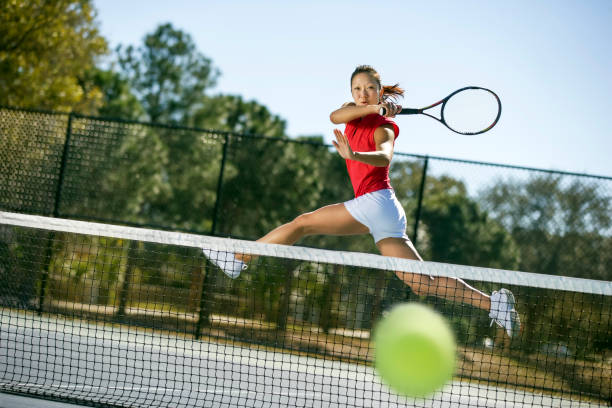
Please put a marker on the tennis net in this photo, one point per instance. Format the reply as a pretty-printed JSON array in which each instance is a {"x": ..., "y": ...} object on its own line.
[{"x": 116, "y": 316}]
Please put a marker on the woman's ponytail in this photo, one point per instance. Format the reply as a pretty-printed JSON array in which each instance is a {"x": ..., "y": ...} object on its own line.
[{"x": 391, "y": 93}]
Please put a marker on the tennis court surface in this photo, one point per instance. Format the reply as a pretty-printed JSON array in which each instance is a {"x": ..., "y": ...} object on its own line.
[{"x": 115, "y": 316}]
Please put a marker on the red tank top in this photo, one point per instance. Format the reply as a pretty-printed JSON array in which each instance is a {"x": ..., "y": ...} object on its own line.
[{"x": 360, "y": 133}]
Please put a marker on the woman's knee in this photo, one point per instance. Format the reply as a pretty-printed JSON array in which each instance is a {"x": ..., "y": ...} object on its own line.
[{"x": 302, "y": 224}]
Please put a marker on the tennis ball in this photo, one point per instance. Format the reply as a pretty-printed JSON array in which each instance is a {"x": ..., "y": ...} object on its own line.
[{"x": 414, "y": 350}]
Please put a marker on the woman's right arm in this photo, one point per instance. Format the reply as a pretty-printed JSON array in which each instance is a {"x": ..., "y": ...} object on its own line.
[{"x": 349, "y": 111}]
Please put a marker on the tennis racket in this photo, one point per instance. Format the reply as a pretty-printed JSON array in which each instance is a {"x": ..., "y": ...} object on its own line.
[{"x": 468, "y": 111}]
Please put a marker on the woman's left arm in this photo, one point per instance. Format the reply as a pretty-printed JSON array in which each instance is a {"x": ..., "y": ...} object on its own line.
[{"x": 384, "y": 137}]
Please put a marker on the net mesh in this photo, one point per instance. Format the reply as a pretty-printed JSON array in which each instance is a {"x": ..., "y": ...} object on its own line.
[{"x": 117, "y": 316}]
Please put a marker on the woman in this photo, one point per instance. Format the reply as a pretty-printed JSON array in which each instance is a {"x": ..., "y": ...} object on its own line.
[{"x": 367, "y": 146}]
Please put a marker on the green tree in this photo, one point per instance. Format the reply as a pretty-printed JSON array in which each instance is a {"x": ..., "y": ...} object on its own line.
[
  {"x": 231, "y": 113},
  {"x": 561, "y": 228},
  {"x": 46, "y": 50},
  {"x": 459, "y": 231},
  {"x": 170, "y": 77},
  {"x": 267, "y": 182},
  {"x": 168, "y": 74},
  {"x": 117, "y": 98}
]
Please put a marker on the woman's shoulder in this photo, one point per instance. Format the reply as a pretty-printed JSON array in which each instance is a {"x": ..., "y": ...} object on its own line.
[
  {"x": 379, "y": 120},
  {"x": 373, "y": 121}
]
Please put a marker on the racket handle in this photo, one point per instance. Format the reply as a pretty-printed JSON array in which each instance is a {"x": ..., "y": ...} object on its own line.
[
  {"x": 409, "y": 111},
  {"x": 404, "y": 111}
]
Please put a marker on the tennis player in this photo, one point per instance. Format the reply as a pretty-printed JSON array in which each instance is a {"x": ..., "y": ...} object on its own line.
[{"x": 367, "y": 146}]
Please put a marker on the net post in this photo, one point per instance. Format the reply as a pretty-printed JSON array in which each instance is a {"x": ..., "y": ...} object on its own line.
[
  {"x": 213, "y": 229},
  {"x": 205, "y": 309},
  {"x": 329, "y": 293},
  {"x": 283, "y": 312},
  {"x": 417, "y": 215},
  {"x": 378, "y": 296},
  {"x": 124, "y": 291},
  {"x": 56, "y": 203}
]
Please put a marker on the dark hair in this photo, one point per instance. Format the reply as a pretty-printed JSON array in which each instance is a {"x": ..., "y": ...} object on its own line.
[{"x": 390, "y": 92}]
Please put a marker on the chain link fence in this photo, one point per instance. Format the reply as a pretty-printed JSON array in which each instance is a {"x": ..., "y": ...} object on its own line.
[{"x": 226, "y": 184}]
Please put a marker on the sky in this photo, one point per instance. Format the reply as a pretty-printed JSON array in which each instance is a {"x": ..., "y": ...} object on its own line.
[{"x": 550, "y": 61}]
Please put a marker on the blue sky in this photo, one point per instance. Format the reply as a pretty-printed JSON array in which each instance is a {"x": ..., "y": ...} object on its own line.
[{"x": 549, "y": 61}]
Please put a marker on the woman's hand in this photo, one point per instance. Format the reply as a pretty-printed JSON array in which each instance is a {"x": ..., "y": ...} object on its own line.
[
  {"x": 342, "y": 146},
  {"x": 390, "y": 109}
]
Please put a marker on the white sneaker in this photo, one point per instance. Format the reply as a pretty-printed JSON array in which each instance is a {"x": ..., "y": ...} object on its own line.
[
  {"x": 503, "y": 312},
  {"x": 226, "y": 261}
]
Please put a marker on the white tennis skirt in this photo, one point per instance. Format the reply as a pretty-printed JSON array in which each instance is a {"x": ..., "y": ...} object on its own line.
[{"x": 381, "y": 212}]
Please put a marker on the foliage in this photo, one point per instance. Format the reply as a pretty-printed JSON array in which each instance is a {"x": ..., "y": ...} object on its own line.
[
  {"x": 169, "y": 77},
  {"x": 46, "y": 50},
  {"x": 167, "y": 74},
  {"x": 561, "y": 227},
  {"x": 231, "y": 113},
  {"x": 259, "y": 186},
  {"x": 117, "y": 99}
]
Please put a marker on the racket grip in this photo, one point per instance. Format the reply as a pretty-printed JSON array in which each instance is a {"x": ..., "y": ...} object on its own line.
[
  {"x": 409, "y": 111},
  {"x": 404, "y": 111}
]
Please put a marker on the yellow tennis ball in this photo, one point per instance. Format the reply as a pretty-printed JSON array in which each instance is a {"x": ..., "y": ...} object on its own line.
[{"x": 414, "y": 350}]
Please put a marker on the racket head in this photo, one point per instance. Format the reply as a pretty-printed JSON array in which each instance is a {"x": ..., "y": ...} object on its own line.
[{"x": 471, "y": 110}]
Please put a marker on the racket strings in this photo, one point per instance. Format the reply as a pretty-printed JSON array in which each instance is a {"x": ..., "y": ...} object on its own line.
[{"x": 471, "y": 111}]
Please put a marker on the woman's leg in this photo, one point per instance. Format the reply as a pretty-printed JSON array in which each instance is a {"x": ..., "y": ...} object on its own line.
[
  {"x": 332, "y": 219},
  {"x": 448, "y": 288}
]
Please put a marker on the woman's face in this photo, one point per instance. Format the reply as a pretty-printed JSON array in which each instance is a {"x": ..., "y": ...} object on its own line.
[{"x": 365, "y": 89}]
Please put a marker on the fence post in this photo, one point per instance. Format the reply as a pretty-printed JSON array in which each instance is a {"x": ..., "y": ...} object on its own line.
[
  {"x": 209, "y": 279},
  {"x": 56, "y": 204},
  {"x": 220, "y": 186},
  {"x": 417, "y": 216}
]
